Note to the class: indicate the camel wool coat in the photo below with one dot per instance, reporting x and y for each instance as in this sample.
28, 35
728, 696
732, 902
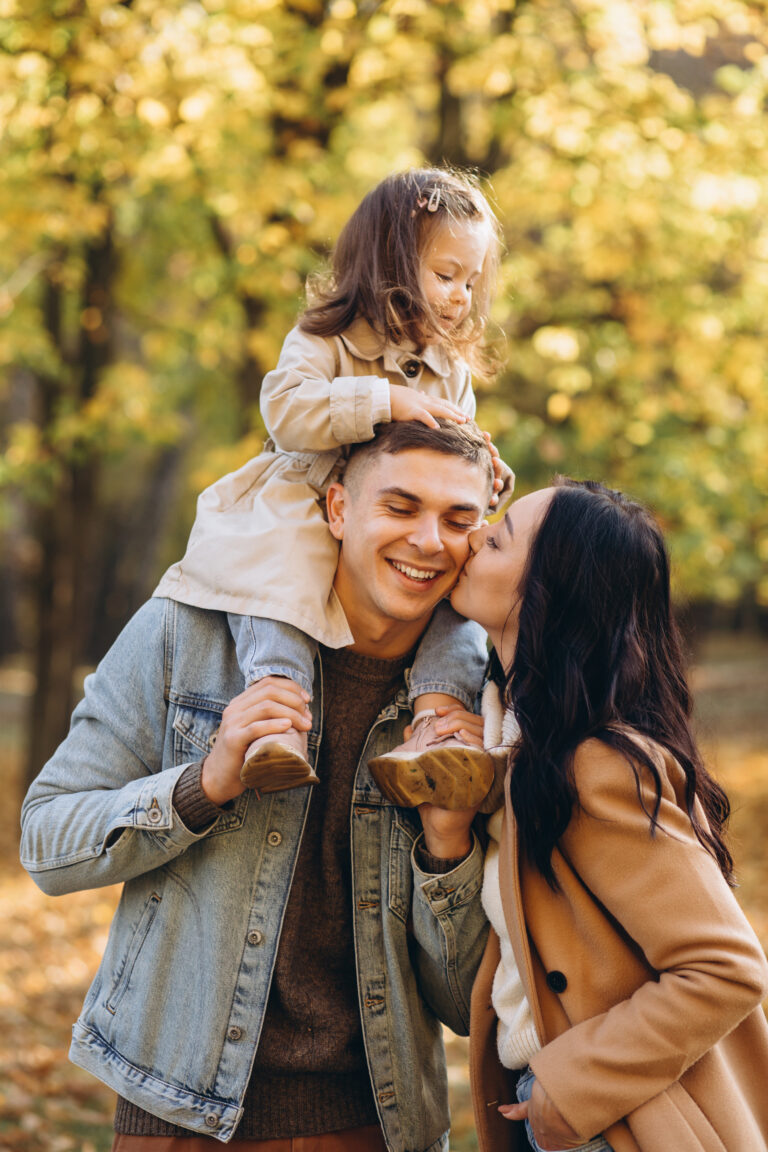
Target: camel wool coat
644, 978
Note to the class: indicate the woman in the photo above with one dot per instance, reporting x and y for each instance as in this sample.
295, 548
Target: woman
620, 990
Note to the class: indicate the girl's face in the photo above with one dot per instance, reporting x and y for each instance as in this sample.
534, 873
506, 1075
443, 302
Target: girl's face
488, 589
451, 264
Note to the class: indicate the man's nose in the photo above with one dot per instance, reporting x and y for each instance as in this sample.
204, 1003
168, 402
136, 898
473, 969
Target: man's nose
426, 536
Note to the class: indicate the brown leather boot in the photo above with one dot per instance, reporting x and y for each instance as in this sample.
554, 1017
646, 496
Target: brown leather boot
432, 769
276, 763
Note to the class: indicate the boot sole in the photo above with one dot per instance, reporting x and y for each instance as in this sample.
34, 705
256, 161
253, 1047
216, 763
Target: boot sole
276, 768
451, 778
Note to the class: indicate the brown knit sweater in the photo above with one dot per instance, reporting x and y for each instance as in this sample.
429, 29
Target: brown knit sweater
310, 1074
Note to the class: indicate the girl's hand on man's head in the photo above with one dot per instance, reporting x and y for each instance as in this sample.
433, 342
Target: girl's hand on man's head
498, 482
409, 404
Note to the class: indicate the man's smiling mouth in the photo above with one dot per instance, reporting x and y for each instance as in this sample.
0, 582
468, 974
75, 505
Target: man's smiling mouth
421, 574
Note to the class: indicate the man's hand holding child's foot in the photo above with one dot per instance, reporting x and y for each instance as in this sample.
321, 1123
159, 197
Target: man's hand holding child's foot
271, 710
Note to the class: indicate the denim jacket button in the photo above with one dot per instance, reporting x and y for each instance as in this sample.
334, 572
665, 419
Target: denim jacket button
211, 1120
255, 937
274, 838
154, 814
234, 1033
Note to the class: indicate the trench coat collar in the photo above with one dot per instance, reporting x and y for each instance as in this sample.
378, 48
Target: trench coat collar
366, 343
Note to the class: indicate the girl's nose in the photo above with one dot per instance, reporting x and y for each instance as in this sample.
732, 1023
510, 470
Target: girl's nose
476, 537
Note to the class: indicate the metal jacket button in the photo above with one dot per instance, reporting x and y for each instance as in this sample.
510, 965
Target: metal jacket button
234, 1033
274, 838
255, 937
557, 981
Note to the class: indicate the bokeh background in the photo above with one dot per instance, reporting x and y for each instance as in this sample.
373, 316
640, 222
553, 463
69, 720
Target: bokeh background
170, 173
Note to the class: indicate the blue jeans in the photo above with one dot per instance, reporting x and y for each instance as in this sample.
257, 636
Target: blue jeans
451, 657
524, 1090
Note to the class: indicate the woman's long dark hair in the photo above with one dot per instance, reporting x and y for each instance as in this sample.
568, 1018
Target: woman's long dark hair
376, 263
598, 651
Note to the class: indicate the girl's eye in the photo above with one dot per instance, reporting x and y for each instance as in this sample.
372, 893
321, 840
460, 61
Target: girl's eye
491, 542
445, 279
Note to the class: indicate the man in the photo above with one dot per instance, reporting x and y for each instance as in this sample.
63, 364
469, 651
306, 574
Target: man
277, 969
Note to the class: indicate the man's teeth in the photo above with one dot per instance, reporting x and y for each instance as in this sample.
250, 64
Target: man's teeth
414, 573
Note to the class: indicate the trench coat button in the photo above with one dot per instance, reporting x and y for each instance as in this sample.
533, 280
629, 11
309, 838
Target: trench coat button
411, 368
557, 981
255, 937
234, 1033
274, 838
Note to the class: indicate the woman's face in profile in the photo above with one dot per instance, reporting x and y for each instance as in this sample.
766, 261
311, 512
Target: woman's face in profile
487, 590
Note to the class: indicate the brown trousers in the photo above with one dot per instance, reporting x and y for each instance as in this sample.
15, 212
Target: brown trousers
368, 1139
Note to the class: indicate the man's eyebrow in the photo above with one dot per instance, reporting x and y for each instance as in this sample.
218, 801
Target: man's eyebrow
414, 499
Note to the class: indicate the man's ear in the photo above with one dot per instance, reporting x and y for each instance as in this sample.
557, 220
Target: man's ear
336, 505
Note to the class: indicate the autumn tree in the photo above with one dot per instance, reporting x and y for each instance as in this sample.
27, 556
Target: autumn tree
171, 172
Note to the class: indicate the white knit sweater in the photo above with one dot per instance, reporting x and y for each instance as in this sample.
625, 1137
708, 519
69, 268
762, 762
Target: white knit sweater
516, 1037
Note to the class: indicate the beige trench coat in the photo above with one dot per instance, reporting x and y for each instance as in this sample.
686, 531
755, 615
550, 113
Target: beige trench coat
260, 545
643, 974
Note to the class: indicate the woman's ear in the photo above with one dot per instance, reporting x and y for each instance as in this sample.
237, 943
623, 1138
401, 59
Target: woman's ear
336, 503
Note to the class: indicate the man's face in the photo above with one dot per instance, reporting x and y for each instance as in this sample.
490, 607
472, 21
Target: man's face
404, 527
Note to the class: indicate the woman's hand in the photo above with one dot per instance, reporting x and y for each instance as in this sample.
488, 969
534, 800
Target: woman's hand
551, 1130
409, 404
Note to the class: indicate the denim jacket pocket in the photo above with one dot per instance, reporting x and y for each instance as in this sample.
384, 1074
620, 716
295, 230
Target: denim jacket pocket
400, 875
194, 733
123, 975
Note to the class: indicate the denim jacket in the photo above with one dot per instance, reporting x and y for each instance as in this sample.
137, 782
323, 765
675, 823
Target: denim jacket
173, 1017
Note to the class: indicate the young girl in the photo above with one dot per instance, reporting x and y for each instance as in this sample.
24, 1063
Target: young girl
392, 336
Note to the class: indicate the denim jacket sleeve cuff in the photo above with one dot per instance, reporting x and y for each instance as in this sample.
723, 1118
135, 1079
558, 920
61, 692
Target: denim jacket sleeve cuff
448, 890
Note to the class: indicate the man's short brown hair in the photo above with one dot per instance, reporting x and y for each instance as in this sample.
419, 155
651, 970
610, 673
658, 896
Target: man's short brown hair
449, 439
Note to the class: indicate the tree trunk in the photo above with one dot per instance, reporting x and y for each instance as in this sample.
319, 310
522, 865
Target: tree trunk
64, 527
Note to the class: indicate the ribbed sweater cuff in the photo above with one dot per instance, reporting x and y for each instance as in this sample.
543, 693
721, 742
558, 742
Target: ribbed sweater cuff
437, 865
190, 802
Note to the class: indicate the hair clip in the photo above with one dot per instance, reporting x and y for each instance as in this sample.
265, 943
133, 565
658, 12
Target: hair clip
434, 201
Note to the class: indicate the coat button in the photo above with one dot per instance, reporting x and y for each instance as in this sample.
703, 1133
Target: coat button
557, 981
411, 368
274, 838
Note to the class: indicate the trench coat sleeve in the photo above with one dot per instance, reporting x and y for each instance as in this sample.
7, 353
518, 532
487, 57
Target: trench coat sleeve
101, 810
668, 895
308, 407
